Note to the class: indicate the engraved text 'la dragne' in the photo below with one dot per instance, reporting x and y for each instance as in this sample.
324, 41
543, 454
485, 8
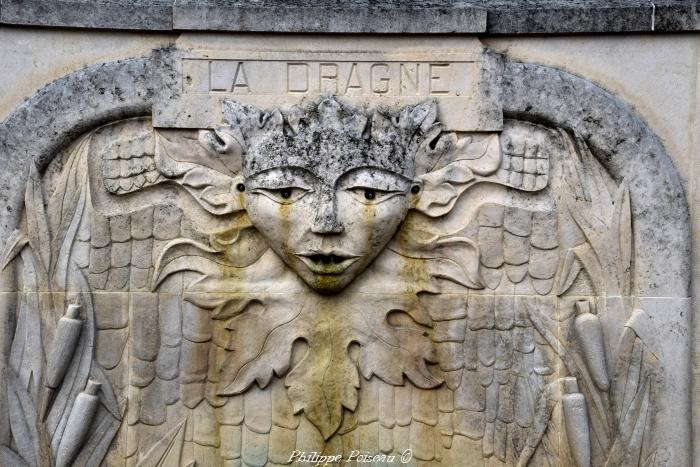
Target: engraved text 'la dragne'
391, 78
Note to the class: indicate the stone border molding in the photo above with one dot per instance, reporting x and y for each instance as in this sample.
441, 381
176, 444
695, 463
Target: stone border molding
627, 148
364, 16
69, 107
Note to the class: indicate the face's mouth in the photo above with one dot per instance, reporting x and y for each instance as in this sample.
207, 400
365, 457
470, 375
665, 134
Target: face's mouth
327, 262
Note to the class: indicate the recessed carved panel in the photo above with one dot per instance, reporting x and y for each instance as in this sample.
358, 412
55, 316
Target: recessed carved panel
328, 278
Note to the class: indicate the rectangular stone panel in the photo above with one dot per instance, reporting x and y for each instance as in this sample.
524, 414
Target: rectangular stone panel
268, 79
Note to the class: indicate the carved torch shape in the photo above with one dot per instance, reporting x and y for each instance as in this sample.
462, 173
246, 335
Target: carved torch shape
79, 421
590, 335
576, 422
63, 346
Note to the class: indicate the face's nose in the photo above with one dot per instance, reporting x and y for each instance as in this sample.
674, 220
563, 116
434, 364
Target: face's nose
326, 219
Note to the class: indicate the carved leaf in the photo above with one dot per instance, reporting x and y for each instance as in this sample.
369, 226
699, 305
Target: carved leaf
266, 329
179, 151
455, 259
167, 451
627, 447
184, 254
26, 357
604, 219
206, 169
442, 188
631, 395
10, 458
568, 272
622, 230
215, 192
324, 382
431, 151
14, 245
37, 222
391, 362
23, 419
64, 241
65, 209
484, 156
237, 248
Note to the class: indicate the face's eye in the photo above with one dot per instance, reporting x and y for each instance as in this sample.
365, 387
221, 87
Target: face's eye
370, 195
284, 195
369, 185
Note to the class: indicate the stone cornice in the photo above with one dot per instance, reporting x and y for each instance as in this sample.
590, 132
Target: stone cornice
360, 16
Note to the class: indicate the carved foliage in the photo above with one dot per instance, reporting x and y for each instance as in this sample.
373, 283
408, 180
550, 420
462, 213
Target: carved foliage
52, 415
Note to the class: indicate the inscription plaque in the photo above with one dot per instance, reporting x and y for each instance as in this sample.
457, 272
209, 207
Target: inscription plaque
284, 79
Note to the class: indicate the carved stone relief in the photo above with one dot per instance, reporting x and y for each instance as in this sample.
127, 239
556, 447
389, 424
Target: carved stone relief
334, 277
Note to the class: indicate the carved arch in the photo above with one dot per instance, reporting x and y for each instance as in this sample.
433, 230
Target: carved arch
627, 148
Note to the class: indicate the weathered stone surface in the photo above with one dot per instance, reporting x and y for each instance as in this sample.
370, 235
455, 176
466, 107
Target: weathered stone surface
677, 16
454, 72
330, 16
99, 94
516, 17
332, 276
361, 16
148, 15
635, 159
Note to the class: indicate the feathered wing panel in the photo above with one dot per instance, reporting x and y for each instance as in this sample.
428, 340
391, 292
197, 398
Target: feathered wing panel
527, 375
159, 350
91, 246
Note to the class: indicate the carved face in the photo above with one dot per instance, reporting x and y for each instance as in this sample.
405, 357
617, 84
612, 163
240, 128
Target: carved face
328, 187
330, 219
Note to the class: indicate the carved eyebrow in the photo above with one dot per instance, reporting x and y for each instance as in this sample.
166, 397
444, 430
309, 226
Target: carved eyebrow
373, 172
279, 174
290, 169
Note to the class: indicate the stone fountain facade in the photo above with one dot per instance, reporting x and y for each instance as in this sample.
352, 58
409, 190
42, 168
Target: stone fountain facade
400, 234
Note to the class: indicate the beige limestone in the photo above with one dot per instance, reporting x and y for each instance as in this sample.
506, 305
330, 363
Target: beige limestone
33, 57
397, 296
657, 75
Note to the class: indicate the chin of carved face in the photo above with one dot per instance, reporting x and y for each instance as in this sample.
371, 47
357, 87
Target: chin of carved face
327, 234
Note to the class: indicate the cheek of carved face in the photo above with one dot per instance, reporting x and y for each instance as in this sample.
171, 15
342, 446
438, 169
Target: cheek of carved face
328, 234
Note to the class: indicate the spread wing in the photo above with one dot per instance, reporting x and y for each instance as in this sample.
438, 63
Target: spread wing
159, 350
524, 358
93, 231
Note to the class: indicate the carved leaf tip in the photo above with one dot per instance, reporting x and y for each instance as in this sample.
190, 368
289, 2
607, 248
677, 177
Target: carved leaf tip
167, 450
23, 417
13, 247
183, 254
10, 458
37, 220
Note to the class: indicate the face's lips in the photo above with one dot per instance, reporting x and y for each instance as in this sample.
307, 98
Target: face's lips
327, 262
